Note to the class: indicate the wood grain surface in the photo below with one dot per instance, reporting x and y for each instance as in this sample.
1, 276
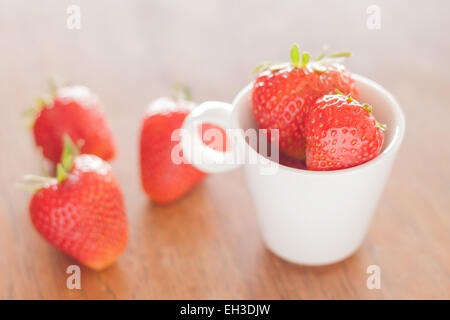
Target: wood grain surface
207, 245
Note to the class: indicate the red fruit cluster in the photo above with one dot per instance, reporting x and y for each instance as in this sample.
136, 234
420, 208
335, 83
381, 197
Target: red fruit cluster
81, 210
284, 96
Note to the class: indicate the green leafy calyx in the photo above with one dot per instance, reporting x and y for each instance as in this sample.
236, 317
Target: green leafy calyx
29, 116
381, 126
182, 92
305, 59
301, 60
32, 183
367, 107
295, 55
340, 55
70, 152
349, 96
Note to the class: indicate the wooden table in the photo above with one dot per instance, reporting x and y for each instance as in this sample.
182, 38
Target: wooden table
207, 245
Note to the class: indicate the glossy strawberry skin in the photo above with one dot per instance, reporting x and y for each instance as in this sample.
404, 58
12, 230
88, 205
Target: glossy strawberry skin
77, 112
163, 180
83, 216
340, 133
281, 99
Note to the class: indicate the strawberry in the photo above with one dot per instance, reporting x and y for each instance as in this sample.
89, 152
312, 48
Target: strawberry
163, 179
74, 111
283, 94
341, 133
81, 211
291, 162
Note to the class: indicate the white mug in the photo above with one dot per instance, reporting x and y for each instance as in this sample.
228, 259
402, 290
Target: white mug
306, 217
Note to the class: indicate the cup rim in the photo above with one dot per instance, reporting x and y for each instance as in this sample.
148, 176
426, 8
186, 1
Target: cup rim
392, 147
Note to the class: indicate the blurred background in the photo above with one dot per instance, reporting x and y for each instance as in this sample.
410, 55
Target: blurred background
130, 52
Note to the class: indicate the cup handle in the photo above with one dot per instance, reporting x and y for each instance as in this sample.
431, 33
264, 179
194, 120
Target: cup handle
195, 151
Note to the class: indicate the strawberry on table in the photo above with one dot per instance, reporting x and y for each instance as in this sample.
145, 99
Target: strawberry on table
163, 179
81, 212
284, 93
341, 133
77, 112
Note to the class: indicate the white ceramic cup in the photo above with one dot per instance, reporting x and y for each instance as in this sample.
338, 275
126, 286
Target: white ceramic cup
306, 217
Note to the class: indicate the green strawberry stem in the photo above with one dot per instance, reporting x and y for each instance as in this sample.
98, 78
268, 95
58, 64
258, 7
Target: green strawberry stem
381, 126
182, 92
261, 67
349, 96
29, 116
333, 55
340, 55
187, 93
305, 59
32, 183
367, 107
295, 55
56, 82
273, 66
70, 152
61, 173
53, 87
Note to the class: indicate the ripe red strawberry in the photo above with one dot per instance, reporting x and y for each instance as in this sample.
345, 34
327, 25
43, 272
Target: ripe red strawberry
284, 93
164, 180
341, 133
81, 212
77, 112
291, 162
